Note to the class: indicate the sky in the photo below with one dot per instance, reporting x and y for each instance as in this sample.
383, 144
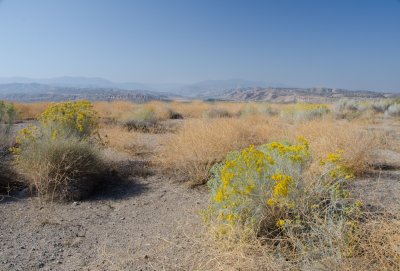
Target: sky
352, 44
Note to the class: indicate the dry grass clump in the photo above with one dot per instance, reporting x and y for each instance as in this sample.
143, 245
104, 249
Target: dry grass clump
356, 142
30, 111
114, 111
200, 143
192, 109
120, 139
63, 169
60, 158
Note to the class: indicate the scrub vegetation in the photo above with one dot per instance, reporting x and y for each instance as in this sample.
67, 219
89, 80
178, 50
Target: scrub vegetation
279, 183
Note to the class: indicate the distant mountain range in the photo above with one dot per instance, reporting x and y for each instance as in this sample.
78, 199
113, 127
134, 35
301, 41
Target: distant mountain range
73, 88
177, 88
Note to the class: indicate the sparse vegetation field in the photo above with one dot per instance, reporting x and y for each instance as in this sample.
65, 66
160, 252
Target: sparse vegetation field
200, 186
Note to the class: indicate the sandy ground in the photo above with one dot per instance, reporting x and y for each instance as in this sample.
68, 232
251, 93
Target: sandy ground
142, 223
145, 221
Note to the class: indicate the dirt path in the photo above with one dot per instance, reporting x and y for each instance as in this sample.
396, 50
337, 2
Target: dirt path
381, 187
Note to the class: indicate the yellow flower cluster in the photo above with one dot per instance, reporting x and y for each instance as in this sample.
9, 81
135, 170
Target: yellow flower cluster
337, 165
68, 118
281, 189
249, 158
74, 116
256, 178
297, 152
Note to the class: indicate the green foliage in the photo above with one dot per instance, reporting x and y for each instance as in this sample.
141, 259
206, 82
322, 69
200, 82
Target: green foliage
7, 117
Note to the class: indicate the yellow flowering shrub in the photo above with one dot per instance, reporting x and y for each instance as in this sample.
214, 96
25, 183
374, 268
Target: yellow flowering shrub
257, 179
60, 120
265, 191
78, 118
58, 157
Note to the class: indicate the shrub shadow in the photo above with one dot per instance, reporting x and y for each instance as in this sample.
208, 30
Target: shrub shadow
121, 181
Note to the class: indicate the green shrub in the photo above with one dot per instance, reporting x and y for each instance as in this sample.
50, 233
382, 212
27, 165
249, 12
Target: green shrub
268, 193
7, 116
143, 119
304, 112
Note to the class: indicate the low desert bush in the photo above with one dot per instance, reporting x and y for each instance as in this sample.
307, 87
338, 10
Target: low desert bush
59, 157
266, 194
7, 117
143, 119
393, 110
381, 106
67, 168
347, 109
304, 112
217, 113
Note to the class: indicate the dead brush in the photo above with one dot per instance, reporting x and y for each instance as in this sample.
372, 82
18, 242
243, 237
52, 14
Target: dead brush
200, 143
114, 111
192, 109
30, 111
62, 169
327, 136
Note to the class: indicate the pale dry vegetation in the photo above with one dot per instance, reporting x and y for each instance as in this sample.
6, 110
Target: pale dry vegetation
200, 143
30, 111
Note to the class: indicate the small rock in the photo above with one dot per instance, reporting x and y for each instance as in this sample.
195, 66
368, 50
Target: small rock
75, 203
41, 265
146, 256
122, 218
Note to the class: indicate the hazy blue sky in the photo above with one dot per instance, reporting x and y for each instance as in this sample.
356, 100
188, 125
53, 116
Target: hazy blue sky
342, 43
